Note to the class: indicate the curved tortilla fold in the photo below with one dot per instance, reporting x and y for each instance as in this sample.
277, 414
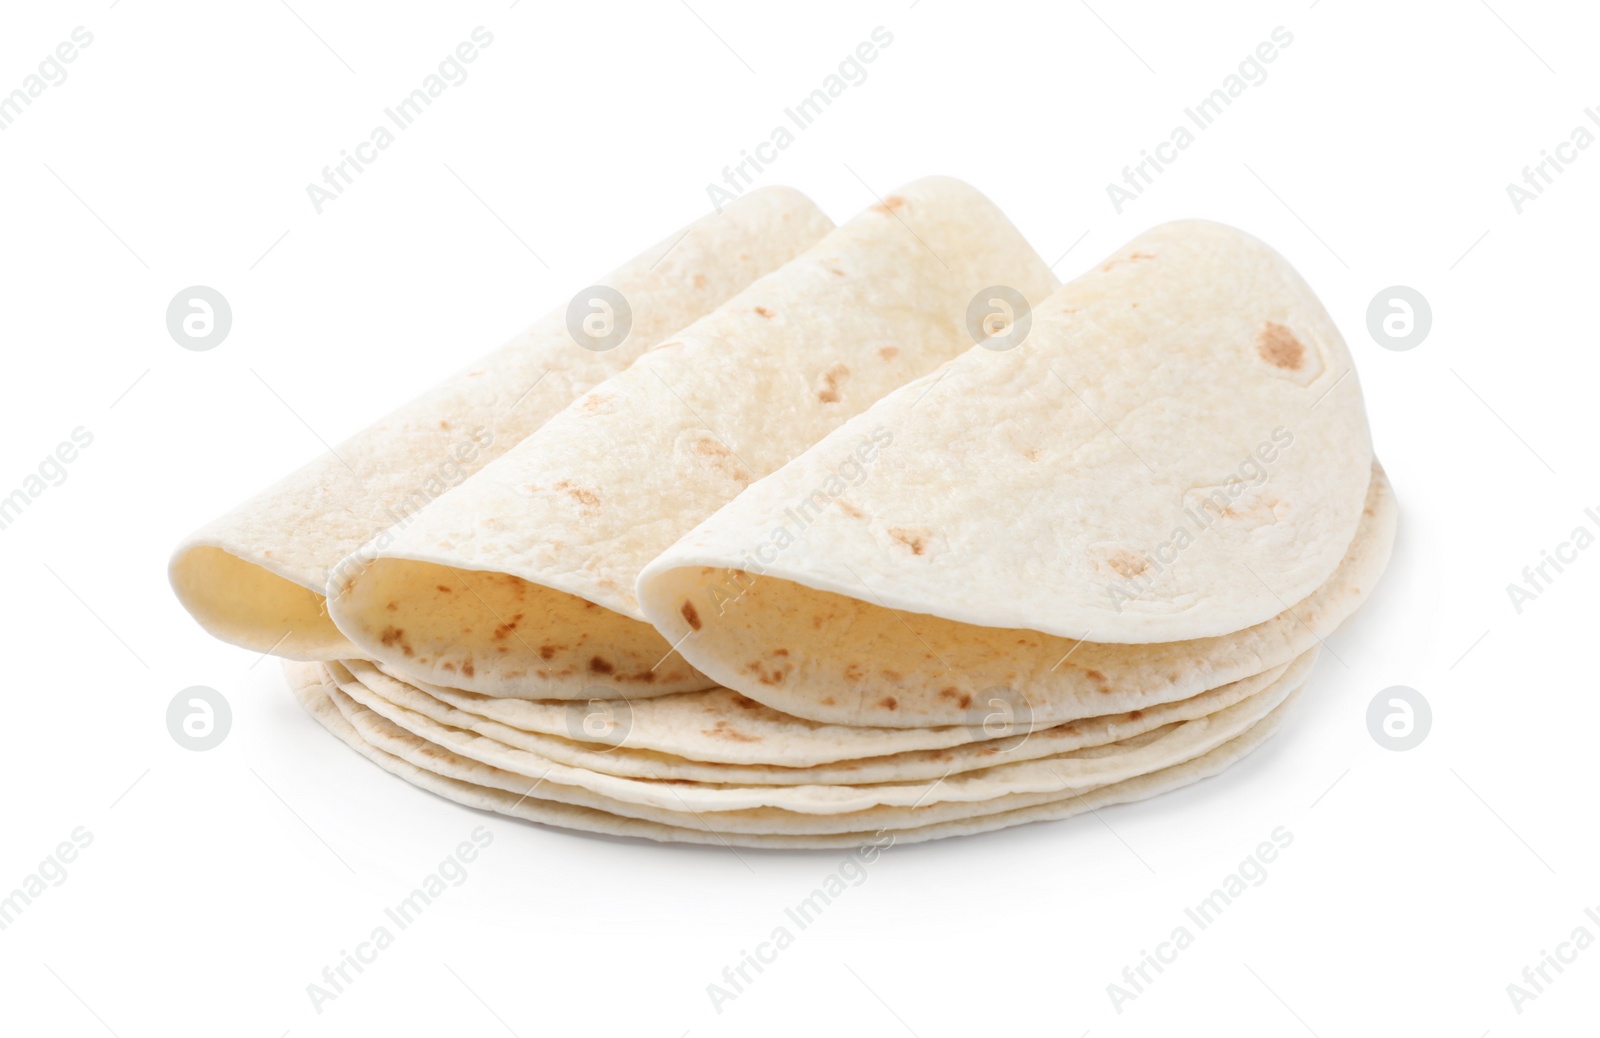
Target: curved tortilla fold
520, 582
514, 795
1176, 455
866, 665
702, 727
256, 575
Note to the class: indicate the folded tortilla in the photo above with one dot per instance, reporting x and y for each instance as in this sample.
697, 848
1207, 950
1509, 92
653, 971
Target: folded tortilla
1169, 485
520, 581
256, 575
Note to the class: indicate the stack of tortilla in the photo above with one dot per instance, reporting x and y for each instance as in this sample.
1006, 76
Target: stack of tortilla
863, 534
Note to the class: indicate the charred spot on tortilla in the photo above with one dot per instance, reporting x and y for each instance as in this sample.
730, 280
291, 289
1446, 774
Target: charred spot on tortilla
600, 666
830, 380
583, 495
1132, 257
764, 312
1277, 346
914, 538
889, 703
691, 616
1127, 564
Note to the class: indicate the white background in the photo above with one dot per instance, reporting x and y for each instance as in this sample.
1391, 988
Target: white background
219, 884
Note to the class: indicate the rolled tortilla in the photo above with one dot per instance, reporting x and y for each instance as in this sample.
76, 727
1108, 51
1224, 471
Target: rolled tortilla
520, 581
256, 575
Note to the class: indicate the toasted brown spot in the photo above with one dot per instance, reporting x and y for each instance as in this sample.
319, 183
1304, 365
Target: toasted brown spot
1132, 257
444, 425
1033, 454
836, 271
1127, 564
889, 352
1136, 714
691, 616
889, 205
916, 540
392, 606
451, 667
780, 652
722, 731
826, 701
600, 666
444, 590
853, 672
849, 509
595, 401
390, 635
745, 702
962, 699
763, 311
547, 652
699, 281
1278, 347
468, 669
829, 381
583, 495
889, 703
501, 630
890, 675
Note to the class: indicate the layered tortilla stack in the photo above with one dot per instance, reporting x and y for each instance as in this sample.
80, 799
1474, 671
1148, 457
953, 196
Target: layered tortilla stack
902, 540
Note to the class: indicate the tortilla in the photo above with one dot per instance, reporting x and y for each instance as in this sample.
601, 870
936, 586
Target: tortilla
315, 690
701, 727
519, 582
1174, 457
255, 576
1078, 769
865, 665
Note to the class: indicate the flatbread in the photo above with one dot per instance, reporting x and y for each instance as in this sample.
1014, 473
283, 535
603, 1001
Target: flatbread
255, 576
841, 661
520, 581
1177, 453
700, 727
422, 741
314, 690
